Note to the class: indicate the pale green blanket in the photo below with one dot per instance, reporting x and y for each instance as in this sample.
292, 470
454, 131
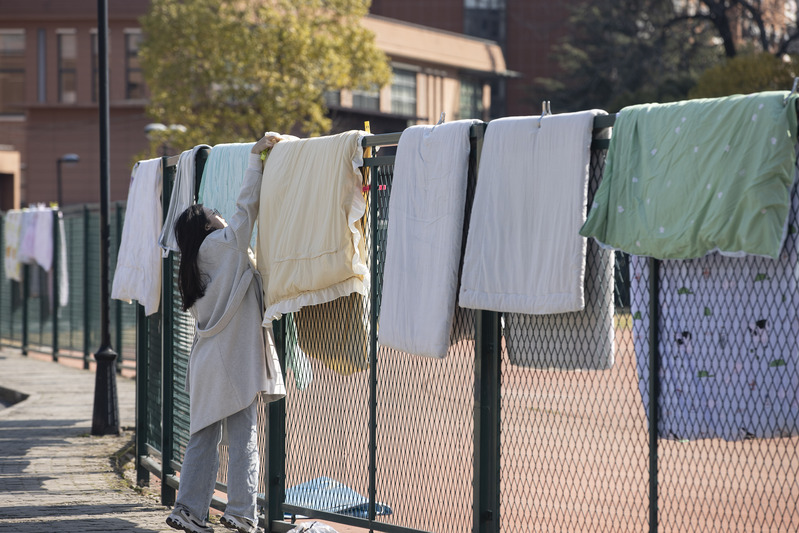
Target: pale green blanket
685, 179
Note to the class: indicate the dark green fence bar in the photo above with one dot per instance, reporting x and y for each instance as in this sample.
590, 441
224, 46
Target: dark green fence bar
56, 289
26, 294
654, 389
86, 292
167, 362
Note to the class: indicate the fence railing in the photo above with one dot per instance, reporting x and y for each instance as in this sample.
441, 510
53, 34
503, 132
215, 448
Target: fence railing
32, 320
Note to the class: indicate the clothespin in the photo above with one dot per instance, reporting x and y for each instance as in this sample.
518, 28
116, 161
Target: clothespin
793, 90
545, 110
367, 152
441, 118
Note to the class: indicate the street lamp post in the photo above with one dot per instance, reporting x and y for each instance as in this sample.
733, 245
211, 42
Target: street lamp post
105, 416
66, 158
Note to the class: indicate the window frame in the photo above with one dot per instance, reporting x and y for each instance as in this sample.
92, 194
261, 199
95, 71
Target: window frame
65, 72
133, 90
13, 72
401, 101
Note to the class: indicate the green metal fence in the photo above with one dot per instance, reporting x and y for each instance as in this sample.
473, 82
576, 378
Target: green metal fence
479, 441
489, 439
30, 321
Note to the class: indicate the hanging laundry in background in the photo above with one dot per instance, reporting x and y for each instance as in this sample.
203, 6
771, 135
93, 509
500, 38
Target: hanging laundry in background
424, 241
138, 271
63, 268
689, 178
729, 343
581, 340
182, 197
43, 237
523, 251
34, 226
27, 237
12, 234
311, 238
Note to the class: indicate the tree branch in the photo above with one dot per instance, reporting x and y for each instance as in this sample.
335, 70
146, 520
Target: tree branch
757, 16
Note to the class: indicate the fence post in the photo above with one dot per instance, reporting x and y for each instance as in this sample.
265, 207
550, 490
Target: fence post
86, 319
56, 281
26, 292
142, 412
118, 303
654, 389
373, 199
487, 345
486, 421
167, 354
275, 475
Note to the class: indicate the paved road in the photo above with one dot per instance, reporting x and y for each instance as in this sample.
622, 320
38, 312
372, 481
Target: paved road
54, 476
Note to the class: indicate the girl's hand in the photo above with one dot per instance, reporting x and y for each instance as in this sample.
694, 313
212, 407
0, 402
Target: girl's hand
266, 142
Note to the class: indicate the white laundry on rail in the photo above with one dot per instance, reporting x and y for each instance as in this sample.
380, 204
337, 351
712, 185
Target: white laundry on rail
138, 271
523, 252
311, 239
425, 238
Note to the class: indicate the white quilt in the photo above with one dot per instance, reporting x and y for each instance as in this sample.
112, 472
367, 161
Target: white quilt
311, 240
424, 240
524, 253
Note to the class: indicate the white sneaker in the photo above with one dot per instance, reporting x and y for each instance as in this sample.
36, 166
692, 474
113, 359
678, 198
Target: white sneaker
181, 518
239, 524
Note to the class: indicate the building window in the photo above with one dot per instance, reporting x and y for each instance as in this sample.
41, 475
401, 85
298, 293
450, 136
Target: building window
134, 79
471, 99
67, 66
403, 93
366, 100
12, 71
485, 19
332, 99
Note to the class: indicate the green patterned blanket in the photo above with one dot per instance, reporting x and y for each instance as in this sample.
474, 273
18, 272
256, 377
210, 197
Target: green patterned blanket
685, 179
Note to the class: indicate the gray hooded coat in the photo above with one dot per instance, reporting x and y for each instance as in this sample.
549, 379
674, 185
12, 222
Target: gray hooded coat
233, 358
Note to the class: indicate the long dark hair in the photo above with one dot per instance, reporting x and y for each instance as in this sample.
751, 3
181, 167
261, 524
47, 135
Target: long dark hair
190, 232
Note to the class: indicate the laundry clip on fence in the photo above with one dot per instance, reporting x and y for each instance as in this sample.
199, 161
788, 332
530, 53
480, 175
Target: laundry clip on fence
545, 110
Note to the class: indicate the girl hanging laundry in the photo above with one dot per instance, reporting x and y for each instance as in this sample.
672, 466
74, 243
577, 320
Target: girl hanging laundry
233, 359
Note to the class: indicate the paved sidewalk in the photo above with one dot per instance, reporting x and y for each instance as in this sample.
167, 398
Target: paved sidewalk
55, 476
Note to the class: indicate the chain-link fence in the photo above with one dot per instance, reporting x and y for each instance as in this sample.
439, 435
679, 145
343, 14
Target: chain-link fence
32, 320
531, 423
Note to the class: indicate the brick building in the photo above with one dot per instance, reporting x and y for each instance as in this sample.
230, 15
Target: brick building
48, 100
526, 30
